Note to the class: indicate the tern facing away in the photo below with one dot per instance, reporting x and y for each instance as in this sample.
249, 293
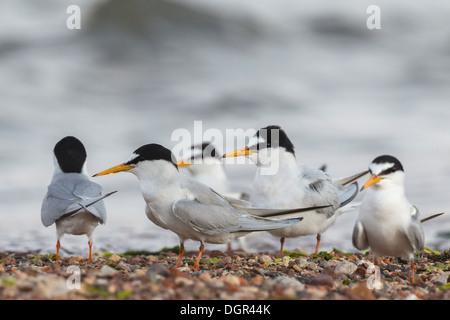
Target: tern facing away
387, 222
73, 202
191, 209
280, 182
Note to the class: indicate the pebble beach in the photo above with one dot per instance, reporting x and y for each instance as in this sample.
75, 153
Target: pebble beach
232, 276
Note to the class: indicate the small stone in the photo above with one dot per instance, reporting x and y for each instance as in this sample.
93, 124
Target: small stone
361, 271
442, 279
106, 270
257, 280
217, 253
361, 292
317, 291
297, 268
302, 262
123, 266
224, 261
322, 279
304, 251
159, 269
76, 260
115, 258
183, 282
231, 280
289, 282
345, 268
49, 286
312, 265
179, 272
205, 277
265, 258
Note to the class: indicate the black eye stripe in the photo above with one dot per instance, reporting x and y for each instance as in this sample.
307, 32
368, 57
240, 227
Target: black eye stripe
135, 160
387, 171
259, 146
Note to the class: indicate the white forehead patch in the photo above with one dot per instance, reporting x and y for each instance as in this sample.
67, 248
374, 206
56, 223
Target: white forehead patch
255, 140
132, 157
377, 168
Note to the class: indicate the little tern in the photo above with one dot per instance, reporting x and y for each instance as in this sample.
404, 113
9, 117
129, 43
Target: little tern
281, 182
204, 163
189, 208
387, 222
73, 202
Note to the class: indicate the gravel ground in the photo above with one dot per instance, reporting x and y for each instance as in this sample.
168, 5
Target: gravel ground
222, 276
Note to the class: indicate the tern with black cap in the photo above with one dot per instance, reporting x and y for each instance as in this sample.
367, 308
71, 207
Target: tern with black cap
281, 182
204, 163
388, 223
73, 202
189, 208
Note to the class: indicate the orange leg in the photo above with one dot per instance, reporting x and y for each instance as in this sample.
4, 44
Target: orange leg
318, 243
180, 255
413, 269
57, 249
376, 263
90, 251
282, 244
200, 253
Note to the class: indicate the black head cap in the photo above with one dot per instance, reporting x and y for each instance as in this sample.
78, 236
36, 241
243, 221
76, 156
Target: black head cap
71, 154
153, 151
397, 166
274, 137
208, 150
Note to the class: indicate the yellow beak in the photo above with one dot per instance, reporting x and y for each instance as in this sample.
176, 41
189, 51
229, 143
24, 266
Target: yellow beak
240, 152
181, 163
119, 168
372, 180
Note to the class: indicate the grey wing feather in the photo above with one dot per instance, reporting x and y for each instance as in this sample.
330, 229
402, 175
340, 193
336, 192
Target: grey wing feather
215, 219
54, 206
247, 207
203, 218
320, 190
431, 217
347, 193
359, 237
347, 180
89, 192
415, 232
82, 206
68, 193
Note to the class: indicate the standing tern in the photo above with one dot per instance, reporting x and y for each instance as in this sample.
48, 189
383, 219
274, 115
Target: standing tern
73, 202
281, 182
387, 222
205, 164
191, 209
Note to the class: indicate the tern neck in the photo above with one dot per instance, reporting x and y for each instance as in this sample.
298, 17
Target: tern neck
395, 181
215, 170
281, 163
158, 172
58, 171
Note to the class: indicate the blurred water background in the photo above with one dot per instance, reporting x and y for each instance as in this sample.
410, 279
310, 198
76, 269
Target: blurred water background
137, 70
